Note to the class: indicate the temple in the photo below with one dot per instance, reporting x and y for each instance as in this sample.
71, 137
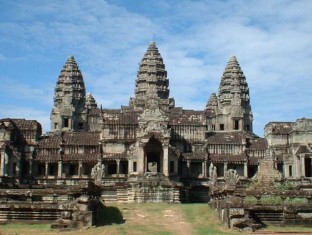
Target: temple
150, 141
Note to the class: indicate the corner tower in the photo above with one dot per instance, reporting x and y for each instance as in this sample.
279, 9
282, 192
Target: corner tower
69, 111
151, 77
234, 110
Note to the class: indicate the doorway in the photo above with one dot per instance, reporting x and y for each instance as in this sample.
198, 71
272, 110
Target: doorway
307, 166
153, 153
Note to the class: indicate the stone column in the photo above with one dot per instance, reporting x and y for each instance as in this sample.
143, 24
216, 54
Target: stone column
165, 161
225, 167
30, 168
2, 160
188, 165
302, 165
130, 166
60, 169
286, 170
245, 169
205, 169
118, 167
46, 169
298, 172
141, 162
80, 168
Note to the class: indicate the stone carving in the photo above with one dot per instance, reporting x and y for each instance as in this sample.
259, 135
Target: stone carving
303, 124
97, 173
231, 177
213, 174
152, 166
153, 119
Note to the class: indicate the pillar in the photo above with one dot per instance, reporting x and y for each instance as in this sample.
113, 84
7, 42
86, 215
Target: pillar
165, 161
225, 167
30, 168
80, 168
46, 169
2, 160
302, 165
130, 166
205, 169
118, 167
286, 170
245, 169
141, 162
298, 171
60, 169
6, 163
188, 164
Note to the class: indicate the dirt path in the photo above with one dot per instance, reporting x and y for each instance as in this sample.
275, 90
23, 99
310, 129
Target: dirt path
166, 218
175, 221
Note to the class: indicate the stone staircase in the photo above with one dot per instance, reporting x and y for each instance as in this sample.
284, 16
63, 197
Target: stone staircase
28, 215
267, 217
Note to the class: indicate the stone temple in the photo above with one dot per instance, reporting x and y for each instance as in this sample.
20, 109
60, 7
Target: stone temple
151, 150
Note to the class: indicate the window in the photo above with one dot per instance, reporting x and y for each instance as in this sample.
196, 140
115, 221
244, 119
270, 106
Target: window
171, 166
247, 127
290, 171
55, 125
66, 122
221, 127
72, 170
134, 166
236, 124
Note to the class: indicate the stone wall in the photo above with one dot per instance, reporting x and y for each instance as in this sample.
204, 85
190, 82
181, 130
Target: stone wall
64, 207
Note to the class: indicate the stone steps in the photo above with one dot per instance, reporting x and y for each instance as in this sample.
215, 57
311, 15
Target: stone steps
268, 217
8, 215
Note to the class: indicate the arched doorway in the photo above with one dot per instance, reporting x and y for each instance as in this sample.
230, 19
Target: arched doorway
153, 156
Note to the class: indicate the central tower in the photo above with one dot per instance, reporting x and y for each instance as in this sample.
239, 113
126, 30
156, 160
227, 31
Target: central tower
151, 77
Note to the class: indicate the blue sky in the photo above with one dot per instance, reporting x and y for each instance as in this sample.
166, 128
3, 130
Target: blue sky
272, 41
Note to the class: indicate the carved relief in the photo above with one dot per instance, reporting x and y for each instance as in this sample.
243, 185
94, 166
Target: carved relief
303, 124
213, 174
153, 119
97, 173
231, 177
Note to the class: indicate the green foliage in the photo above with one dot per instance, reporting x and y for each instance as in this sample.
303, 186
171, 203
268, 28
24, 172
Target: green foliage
284, 186
296, 200
251, 200
271, 200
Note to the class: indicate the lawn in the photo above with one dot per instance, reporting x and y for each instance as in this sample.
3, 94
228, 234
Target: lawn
148, 218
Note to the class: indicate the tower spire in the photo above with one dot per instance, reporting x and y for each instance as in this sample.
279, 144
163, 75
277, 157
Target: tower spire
233, 97
69, 98
151, 77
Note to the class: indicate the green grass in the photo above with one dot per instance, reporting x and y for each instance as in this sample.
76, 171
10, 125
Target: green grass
146, 218
286, 229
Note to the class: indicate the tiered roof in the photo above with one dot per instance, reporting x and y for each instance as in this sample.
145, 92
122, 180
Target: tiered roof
233, 78
152, 73
53, 147
70, 87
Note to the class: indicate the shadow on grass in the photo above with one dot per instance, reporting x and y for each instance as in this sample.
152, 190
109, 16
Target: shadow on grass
109, 215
